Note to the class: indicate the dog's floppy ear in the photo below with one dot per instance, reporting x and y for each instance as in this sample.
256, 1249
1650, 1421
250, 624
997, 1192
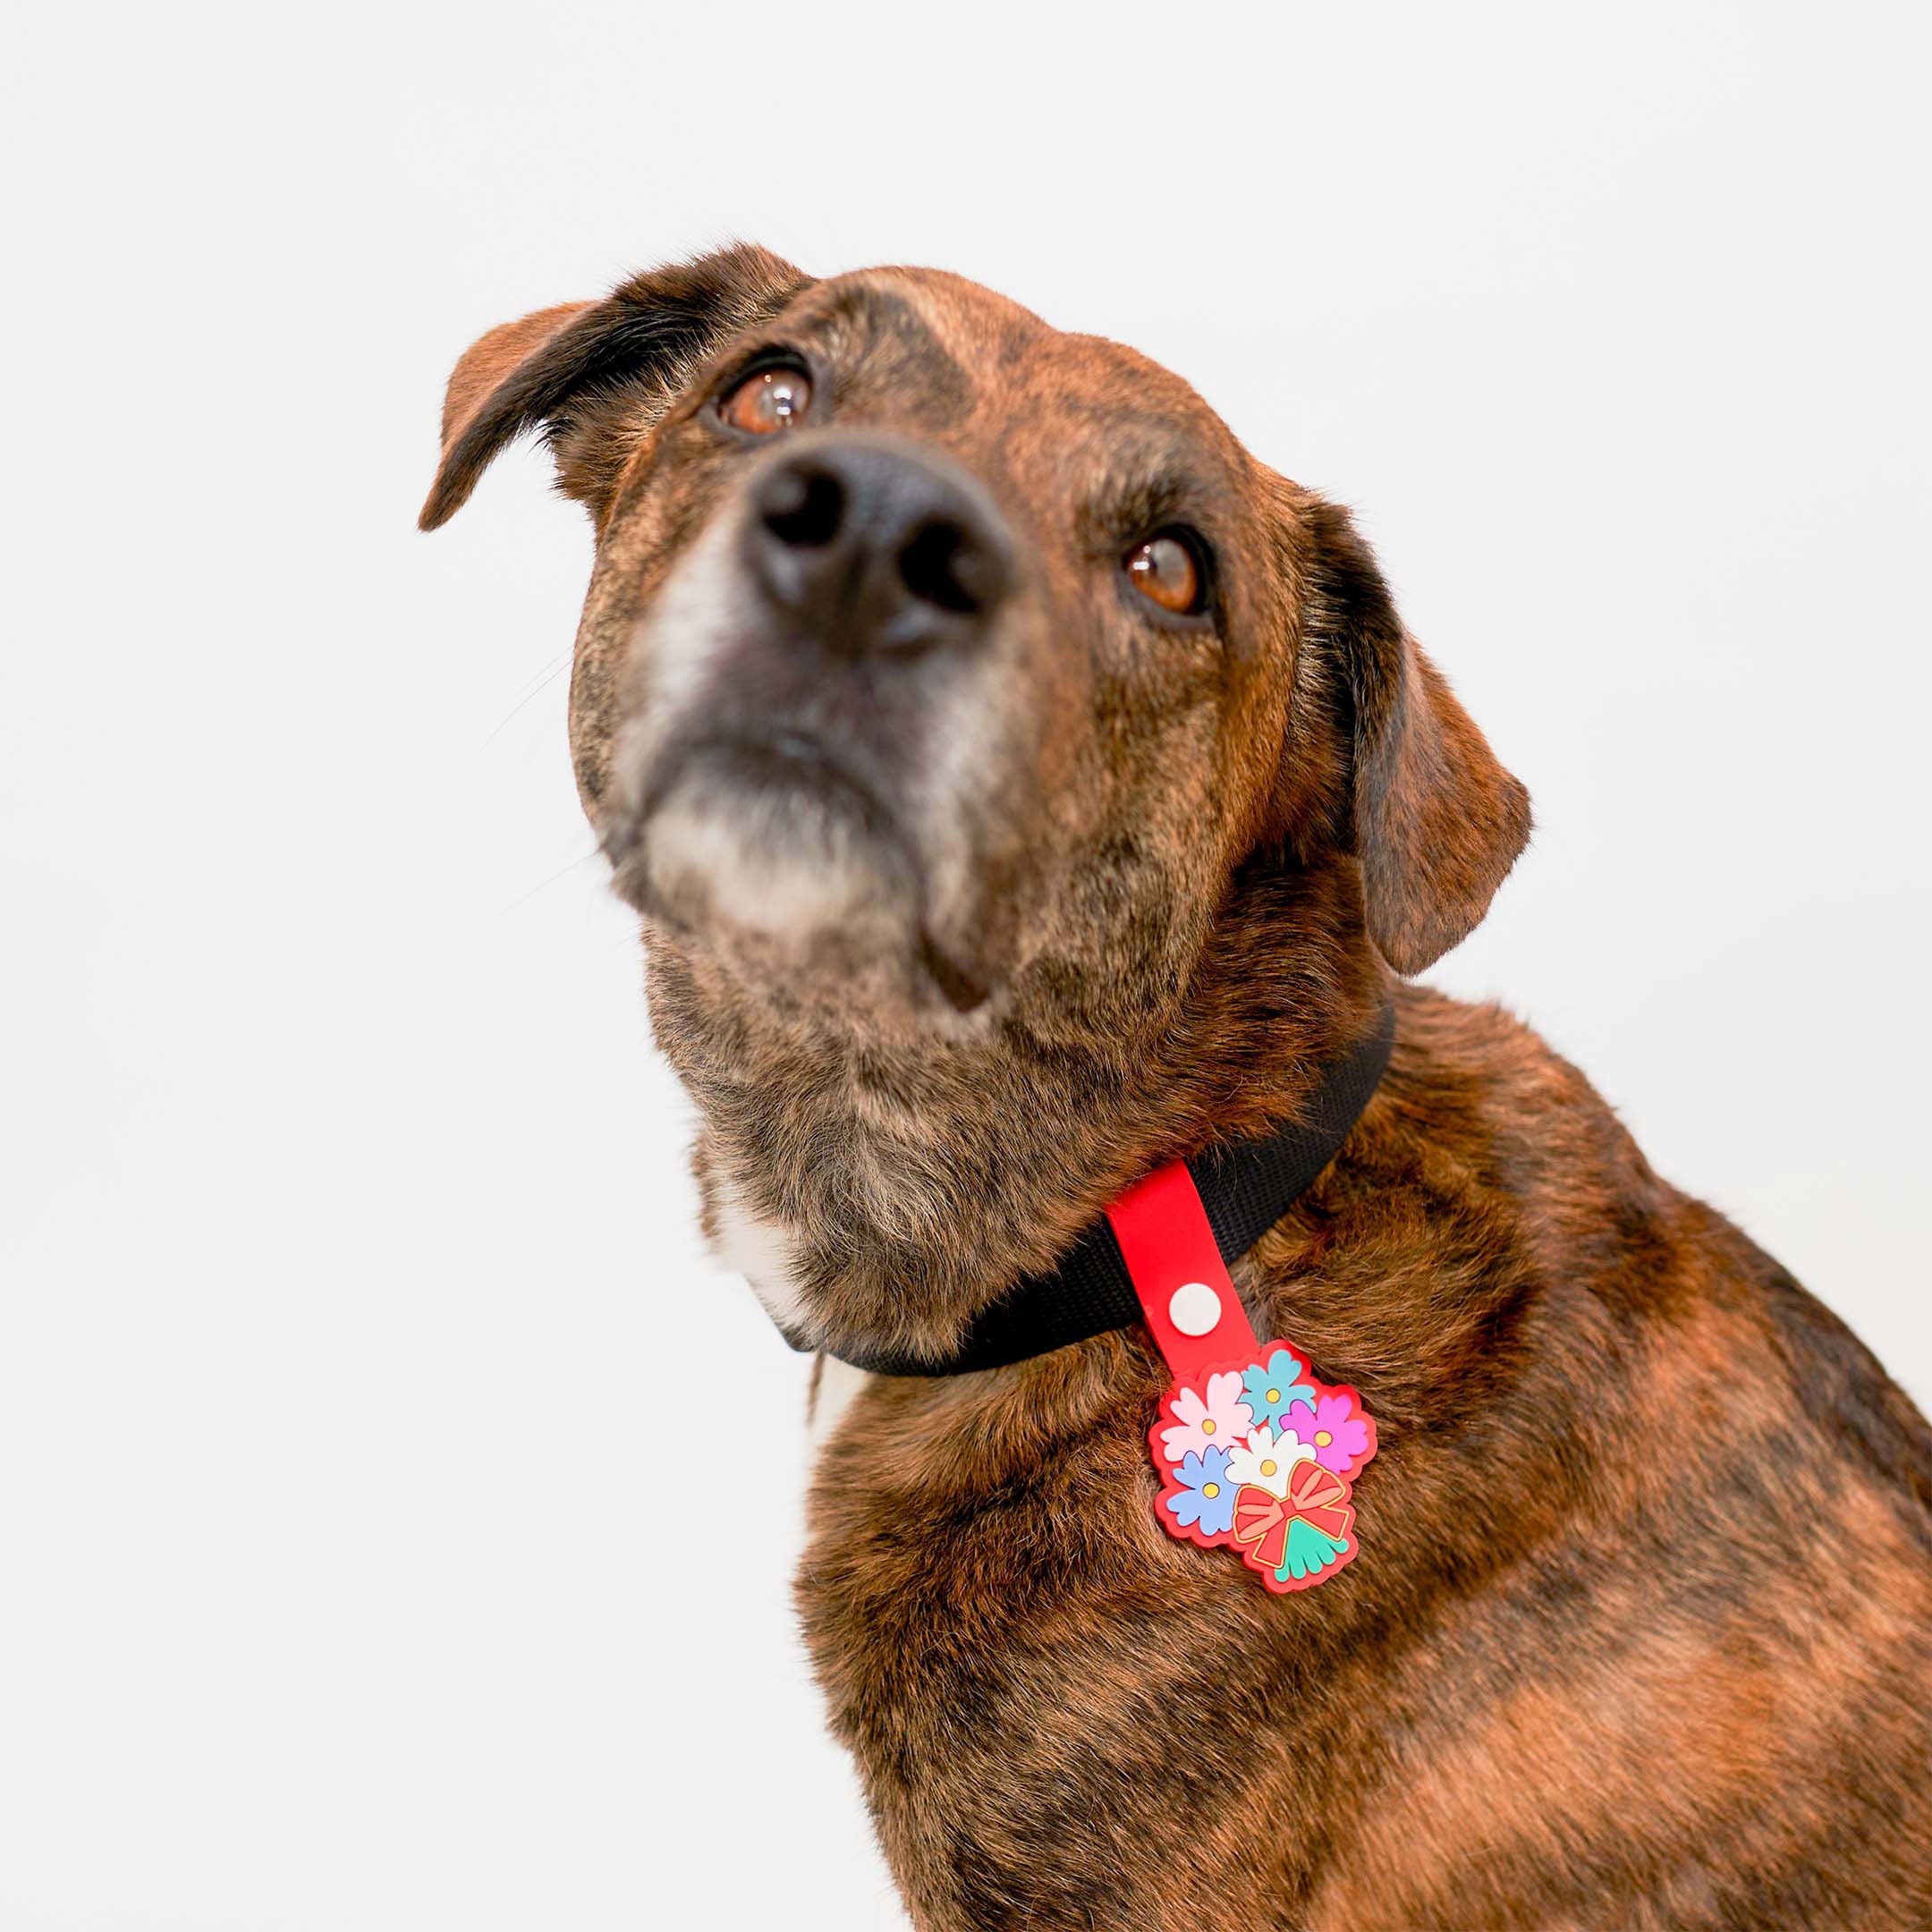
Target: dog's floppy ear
1433, 818
577, 368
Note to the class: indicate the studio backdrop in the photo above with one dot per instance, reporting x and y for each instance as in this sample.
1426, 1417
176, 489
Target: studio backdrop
353, 1308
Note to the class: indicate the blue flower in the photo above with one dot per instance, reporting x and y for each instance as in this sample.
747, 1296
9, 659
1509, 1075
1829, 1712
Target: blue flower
1273, 1387
1207, 1499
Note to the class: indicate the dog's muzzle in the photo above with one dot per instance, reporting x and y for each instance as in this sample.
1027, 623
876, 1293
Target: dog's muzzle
814, 763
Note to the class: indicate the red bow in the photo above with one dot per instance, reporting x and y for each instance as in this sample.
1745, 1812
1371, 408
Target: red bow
1262, 1517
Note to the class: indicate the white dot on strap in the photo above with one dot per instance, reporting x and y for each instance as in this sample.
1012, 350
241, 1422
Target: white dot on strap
1195, 1308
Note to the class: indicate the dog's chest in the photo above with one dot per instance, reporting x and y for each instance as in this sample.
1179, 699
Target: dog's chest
1061, 1715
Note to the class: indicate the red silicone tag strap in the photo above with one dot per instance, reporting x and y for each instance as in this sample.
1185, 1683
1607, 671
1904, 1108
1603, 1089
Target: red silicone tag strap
1178, 1273
1252, 1453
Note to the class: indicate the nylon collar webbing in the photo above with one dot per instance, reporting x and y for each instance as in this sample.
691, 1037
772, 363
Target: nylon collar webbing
1245, 1187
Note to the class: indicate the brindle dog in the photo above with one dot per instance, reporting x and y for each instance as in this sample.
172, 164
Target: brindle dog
1022, 785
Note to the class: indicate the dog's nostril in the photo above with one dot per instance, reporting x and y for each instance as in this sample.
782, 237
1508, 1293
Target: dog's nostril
943, 565
802, 507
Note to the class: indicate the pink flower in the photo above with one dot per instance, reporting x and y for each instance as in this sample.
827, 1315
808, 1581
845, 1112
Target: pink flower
1338, 1432
1220, 1421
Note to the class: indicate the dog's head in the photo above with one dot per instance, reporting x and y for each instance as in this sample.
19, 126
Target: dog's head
954, 691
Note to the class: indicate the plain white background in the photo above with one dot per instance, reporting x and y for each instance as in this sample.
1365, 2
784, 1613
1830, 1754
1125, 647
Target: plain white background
351, 1304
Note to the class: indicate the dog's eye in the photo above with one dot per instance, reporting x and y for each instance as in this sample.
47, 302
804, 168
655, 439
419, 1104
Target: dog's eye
1168, 568
768, 400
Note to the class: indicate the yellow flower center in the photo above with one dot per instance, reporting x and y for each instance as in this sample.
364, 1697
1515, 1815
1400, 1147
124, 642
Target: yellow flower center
1207, 1428
1211, 1489
1267, 1467
1274, 1395
1323, 1439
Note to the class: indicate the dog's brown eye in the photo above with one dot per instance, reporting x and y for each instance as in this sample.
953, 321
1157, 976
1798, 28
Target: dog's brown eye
1166, 568
767, 399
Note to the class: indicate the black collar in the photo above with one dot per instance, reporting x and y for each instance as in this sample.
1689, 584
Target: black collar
1246, 1189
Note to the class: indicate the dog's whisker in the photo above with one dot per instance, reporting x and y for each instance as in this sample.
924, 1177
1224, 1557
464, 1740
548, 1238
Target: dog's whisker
530, 694
576, 865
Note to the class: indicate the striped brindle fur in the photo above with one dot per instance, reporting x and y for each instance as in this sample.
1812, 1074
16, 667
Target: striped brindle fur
973, 885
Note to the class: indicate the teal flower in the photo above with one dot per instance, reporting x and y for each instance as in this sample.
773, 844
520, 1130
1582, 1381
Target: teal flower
1271, 1389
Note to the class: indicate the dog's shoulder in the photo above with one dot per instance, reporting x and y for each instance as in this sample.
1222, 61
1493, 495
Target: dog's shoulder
1496, 1215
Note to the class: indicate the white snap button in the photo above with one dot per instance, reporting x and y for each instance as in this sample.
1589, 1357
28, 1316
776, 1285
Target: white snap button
1195, 1308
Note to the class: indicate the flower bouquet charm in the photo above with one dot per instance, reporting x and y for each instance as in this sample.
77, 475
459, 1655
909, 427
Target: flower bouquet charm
1253, 1453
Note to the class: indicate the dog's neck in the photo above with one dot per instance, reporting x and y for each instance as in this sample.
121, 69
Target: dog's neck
878, 1200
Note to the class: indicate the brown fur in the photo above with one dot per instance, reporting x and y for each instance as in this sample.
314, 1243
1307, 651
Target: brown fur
1639, 1632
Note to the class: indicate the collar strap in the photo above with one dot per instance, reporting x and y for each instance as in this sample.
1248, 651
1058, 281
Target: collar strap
1243, 1190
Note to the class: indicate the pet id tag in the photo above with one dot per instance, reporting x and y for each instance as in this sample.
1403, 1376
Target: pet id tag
1253, 1453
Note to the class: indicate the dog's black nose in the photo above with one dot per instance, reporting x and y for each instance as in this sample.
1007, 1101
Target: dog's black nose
876, 547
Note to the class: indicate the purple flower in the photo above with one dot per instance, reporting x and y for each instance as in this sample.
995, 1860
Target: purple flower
1335, 1429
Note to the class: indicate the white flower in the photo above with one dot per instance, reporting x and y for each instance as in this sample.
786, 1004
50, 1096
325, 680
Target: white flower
1265, 1460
